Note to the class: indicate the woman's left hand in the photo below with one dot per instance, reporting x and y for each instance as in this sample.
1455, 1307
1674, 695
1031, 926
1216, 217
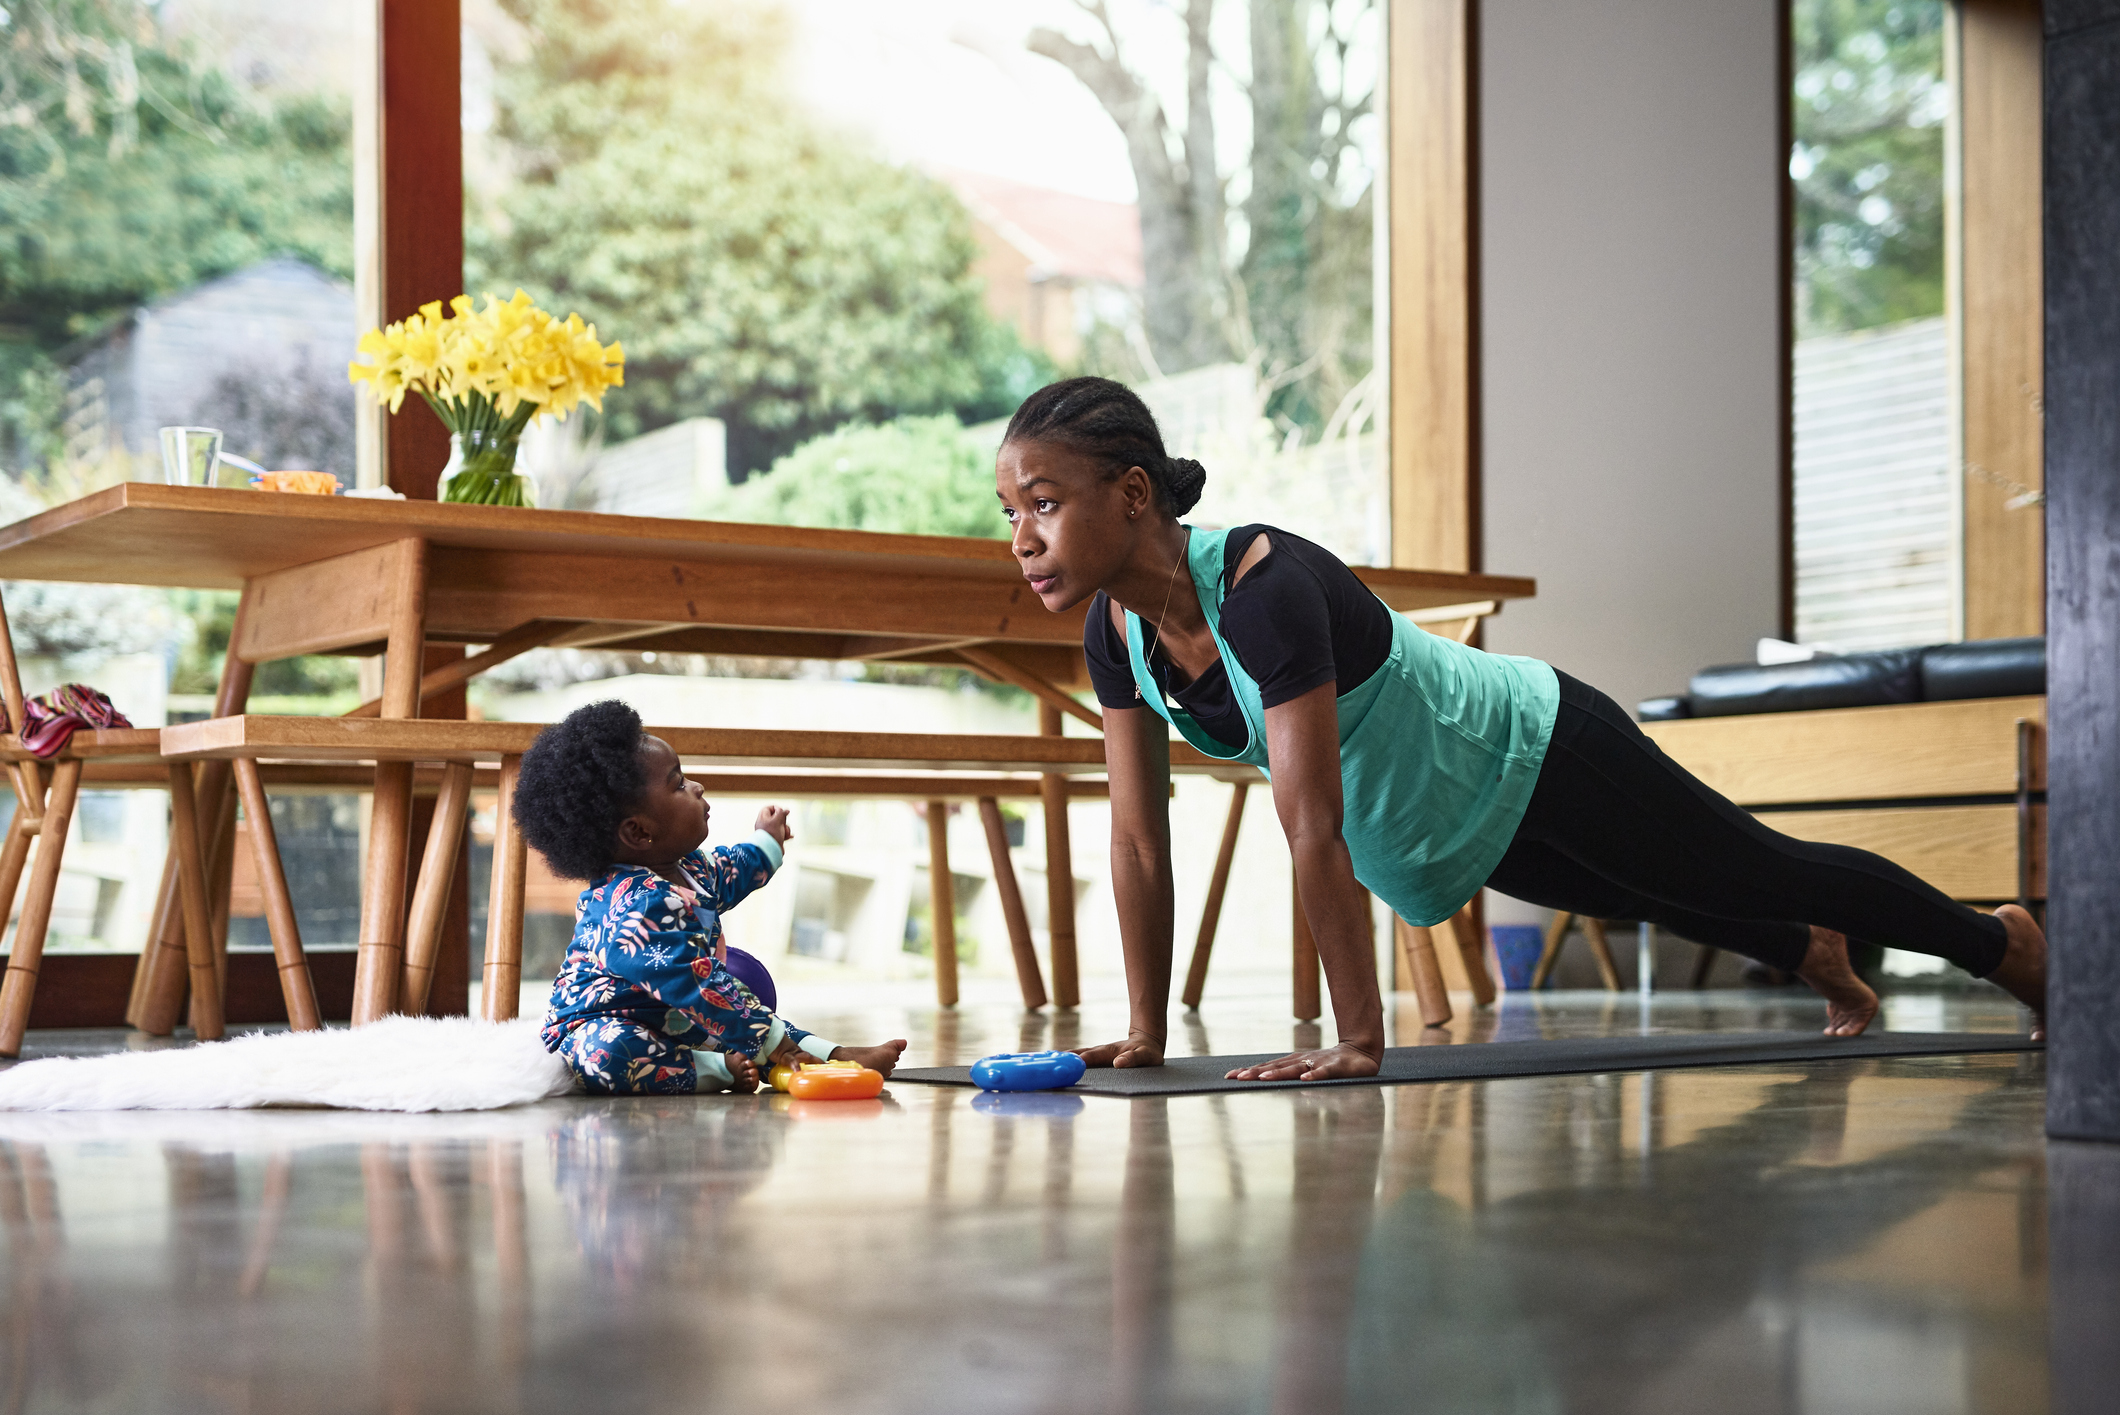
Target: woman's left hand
1329, 1063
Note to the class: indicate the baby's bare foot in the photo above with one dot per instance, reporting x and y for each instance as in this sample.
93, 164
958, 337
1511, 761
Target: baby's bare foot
882, 1058
2022, 972
1850, 1004
743, 1073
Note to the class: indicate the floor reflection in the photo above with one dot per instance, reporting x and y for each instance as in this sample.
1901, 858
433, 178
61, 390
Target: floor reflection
1872, 1235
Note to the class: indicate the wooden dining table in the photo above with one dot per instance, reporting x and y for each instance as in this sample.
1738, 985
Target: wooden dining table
362, 576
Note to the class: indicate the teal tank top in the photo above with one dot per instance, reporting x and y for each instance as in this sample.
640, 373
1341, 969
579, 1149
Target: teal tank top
1439, 751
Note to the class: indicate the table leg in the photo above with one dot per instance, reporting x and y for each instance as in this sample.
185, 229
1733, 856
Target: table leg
1059, 875
1028, 978
430, 897
19, 989
942, 903
297, 988
501, 987
381, 955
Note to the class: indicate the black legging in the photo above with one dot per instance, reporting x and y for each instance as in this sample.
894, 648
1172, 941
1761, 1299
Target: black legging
1617, 830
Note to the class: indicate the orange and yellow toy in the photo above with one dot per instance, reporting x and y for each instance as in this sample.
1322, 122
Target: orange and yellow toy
827, 1081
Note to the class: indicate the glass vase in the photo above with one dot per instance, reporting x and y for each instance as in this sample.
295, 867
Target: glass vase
481, 469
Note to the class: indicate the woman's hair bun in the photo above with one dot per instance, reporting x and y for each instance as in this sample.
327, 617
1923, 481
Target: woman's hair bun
1183, 480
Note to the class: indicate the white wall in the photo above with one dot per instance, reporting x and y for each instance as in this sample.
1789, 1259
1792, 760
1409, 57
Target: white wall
1629, 163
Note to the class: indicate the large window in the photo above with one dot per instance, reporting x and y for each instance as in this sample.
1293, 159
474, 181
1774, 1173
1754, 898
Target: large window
176, 247
841, 237
1877, 516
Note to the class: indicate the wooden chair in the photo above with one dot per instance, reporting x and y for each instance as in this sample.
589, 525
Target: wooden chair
44, 810
1593, 934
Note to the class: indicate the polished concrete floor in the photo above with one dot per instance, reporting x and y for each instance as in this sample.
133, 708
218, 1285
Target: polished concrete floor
1842, 1236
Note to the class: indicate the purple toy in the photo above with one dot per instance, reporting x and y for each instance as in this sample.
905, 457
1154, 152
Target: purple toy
753, 975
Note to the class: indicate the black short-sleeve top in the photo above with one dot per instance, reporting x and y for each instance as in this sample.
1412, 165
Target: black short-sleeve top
1297, 620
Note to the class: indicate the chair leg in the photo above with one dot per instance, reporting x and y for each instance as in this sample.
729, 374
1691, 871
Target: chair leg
1416, 953
1703, 963
942, 903
501, 982
1217, 888
1028, 978
19, 989
1607, 966
1059, 876
206, 1018
158, 922
430, 896
1465, 931
14, 855
218, 857
297, 988
1556, 935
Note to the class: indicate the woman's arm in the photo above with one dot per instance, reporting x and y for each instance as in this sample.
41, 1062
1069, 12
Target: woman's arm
1137, 757
1303, 746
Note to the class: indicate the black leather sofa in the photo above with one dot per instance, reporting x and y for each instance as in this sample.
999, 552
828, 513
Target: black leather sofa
1985, 668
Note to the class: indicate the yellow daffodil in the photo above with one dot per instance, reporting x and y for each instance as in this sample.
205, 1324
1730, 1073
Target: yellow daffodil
488, 371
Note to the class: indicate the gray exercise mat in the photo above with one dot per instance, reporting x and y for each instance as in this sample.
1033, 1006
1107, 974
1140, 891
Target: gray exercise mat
1558, 1056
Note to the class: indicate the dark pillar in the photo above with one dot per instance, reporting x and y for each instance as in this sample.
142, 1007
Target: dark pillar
2082, 221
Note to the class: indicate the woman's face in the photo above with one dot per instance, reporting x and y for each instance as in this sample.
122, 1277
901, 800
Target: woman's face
1069, 524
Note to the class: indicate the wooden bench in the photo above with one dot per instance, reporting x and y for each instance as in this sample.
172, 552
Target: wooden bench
1953, 791
396, 978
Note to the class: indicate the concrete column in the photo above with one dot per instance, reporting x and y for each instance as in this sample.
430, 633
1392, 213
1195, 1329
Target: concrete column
2083, 564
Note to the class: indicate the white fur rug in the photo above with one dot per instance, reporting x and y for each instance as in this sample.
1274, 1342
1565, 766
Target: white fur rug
400, 1063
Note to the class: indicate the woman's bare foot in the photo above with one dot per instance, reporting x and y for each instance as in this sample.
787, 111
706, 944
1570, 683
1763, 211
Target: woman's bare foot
1138, 1049
1326, 1064
2022, 972
1850, 1004
882, 1058
743, 1072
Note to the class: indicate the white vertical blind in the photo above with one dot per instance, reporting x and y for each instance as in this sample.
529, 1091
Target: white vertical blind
1876, 521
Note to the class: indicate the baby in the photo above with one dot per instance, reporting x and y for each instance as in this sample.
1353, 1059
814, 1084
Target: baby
645, 1003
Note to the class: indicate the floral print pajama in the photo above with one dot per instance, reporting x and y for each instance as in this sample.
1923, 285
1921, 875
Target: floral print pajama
642, 987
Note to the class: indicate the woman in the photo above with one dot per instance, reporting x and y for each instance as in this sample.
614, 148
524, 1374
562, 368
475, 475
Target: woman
1404, 762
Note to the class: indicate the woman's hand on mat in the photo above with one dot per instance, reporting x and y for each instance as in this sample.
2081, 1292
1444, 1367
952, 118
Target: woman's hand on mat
1139, 1049
773, 820
1327, 1064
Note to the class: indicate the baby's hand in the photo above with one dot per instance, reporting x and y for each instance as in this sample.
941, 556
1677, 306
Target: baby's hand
743, 1073
773, 820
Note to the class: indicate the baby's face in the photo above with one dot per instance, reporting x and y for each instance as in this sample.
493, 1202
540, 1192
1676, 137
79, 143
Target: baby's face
673, 813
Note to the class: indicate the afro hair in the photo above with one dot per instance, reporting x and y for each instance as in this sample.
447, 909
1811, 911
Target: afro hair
580, 778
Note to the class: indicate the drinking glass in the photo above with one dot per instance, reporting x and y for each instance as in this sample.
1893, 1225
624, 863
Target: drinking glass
190, 455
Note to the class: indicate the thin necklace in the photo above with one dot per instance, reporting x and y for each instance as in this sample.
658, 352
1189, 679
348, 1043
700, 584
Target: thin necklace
1148, 654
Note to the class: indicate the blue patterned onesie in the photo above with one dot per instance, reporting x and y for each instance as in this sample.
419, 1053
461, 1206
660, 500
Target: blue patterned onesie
642, 989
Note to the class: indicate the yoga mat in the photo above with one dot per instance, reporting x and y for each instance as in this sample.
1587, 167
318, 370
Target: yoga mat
1558, 1056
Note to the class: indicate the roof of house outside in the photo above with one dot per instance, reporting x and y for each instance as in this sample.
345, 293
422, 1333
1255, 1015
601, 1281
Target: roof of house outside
1063, 235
